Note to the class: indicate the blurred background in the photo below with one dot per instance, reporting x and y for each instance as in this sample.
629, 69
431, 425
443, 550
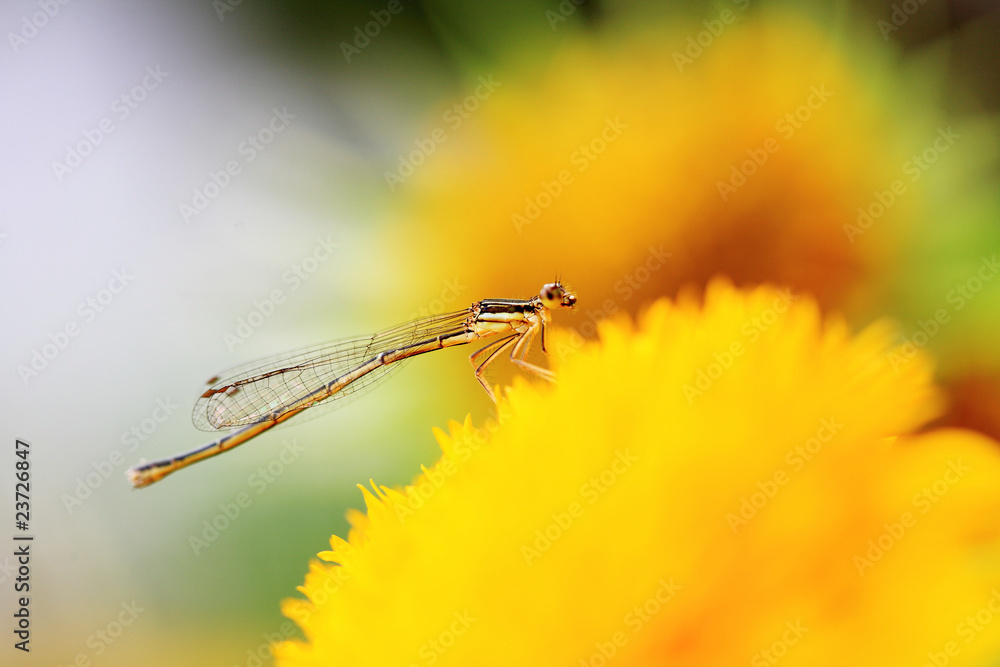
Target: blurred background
188, 186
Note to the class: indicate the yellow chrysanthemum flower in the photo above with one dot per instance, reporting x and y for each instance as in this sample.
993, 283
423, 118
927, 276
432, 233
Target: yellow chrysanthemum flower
726, 483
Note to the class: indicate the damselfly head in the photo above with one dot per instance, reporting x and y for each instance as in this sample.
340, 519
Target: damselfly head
554, 295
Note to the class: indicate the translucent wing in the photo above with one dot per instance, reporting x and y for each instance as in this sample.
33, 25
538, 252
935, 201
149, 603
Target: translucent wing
263, 389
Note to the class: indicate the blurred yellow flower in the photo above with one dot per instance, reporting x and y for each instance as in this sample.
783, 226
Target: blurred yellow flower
757, 142
634, 168
726, 483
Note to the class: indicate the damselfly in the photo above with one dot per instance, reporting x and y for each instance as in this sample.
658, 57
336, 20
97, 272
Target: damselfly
256, 397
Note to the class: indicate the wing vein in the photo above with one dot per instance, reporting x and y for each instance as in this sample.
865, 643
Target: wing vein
263, 389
